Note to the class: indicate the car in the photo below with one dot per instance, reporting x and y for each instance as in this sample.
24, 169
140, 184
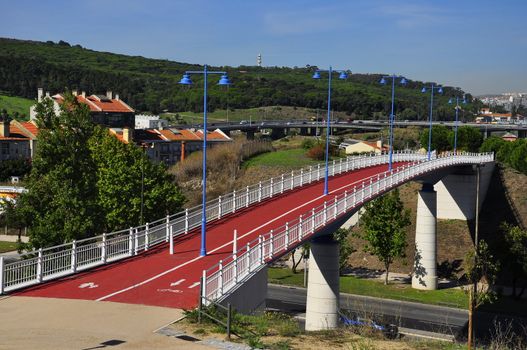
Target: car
390, 331
244, 122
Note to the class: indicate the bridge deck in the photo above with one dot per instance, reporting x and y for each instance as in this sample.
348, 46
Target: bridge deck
160, 279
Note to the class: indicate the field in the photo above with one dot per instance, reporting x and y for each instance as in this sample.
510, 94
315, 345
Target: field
16, 105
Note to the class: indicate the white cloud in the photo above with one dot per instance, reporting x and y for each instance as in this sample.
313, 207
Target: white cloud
411, 16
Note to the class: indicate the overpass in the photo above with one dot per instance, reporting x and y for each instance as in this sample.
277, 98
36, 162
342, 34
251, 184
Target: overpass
310, 127
159, 263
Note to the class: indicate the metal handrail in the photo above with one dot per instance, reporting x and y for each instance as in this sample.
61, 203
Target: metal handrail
223, 277
53, 262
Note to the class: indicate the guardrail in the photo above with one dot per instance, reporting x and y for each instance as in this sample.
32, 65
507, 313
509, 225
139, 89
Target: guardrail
223, 277
50, 263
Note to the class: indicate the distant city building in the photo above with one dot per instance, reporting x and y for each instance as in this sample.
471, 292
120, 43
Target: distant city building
143, 121
107, 110
506, 100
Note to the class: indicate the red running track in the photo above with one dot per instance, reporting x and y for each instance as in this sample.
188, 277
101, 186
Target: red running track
160, 279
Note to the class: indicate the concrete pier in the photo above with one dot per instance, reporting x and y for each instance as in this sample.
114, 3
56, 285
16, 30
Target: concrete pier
425, 260
322, 303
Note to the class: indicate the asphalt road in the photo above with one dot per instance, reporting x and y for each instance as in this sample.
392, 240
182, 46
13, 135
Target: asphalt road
424, 317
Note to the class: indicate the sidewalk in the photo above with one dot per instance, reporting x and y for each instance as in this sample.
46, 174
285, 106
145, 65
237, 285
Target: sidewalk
46, 323
13, 238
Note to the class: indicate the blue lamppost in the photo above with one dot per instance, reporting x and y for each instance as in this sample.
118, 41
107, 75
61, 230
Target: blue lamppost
392, 114
224, 80
440, 90
450, 101
343, 75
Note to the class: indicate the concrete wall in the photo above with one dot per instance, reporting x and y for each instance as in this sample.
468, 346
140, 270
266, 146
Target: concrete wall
456, 194
250, 296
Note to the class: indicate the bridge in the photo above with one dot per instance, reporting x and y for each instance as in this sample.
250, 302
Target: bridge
159, 263
310, 127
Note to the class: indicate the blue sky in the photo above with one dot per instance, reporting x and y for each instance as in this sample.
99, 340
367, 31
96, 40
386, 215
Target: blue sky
478, 45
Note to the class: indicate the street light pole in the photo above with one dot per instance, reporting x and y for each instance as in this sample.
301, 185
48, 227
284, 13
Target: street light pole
343, 75
392, 115
457, 119
224, 80
440, 90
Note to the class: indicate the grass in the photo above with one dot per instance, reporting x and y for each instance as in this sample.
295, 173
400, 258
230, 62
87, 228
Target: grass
287, 157
16, 104
7, 246
373, 288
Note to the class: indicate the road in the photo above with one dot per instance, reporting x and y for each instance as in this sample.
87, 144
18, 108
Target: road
424, 317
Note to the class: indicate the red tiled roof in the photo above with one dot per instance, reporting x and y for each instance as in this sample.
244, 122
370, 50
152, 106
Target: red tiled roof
30, 127
213, 135
374, 145
15, 134
179, 135
97, 104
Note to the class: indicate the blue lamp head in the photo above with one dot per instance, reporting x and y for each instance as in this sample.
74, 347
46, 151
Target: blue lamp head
440, 90
224, 80
450, 101
464, 101
185, 80
316, 75
403, 81
343, 75
423, 90
382, 81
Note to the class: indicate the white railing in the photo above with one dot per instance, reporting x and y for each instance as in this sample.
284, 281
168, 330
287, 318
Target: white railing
49, 263
223, 277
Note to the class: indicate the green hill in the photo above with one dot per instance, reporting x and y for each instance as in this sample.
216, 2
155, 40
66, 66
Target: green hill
16, 107
151, 84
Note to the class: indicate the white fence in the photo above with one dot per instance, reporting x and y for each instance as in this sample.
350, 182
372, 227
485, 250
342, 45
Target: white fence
218, 280
50, 263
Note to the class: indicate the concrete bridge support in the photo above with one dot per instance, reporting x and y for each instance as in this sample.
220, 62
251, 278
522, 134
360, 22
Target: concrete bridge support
303, 131
250, 134
425, 261
313, 131
322, 303
456, 193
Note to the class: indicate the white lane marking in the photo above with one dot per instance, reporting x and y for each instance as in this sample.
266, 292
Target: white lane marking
89, 285
176, 291
221, 247
194, 285
176, 283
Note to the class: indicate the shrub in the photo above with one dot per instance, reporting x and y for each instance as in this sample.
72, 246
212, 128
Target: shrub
316, 152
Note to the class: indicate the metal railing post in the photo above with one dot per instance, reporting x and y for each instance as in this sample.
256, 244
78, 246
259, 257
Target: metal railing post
131, 241
39, 265
335, 211
233, 201
310, 174
271, 244
300, 233
318, 171
147, 234
103, 249
260, 191
260, 249
186, 221
286, 235
325, 213
171, 239
219, 207
247, 196
313, 220
167, 229
271, 188
74, 256
229, 312
340, 166
301, 177
282, 185
220, 277
247, 254
136, 241
204, 285
235, 255
333, 167
345, 200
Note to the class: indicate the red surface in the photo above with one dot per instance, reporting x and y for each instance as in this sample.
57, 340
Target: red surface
118, 282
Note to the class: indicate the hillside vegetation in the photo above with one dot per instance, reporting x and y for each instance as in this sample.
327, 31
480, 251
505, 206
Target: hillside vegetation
17, 107
152, 84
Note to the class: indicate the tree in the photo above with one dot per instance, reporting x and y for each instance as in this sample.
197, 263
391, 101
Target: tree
60, 204
492, 144
345, 247
122, 169
468, 139
479, 264
384, 222
514, 257
440, 138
